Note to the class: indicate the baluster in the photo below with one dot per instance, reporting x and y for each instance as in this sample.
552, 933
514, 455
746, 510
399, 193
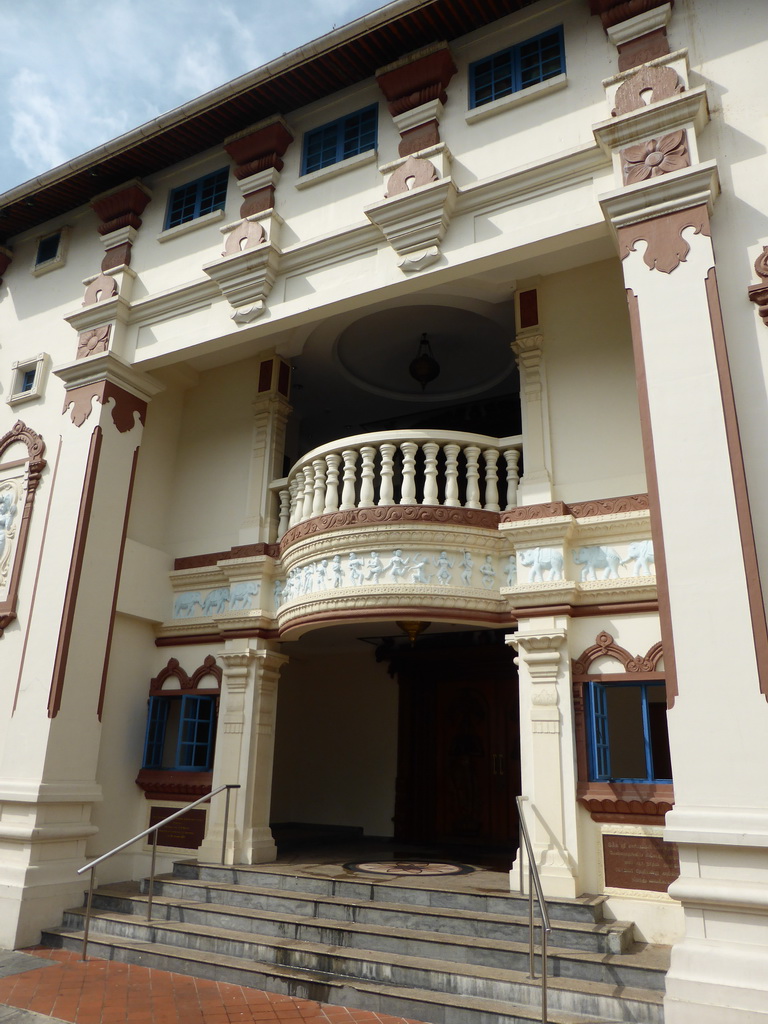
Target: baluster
285, 512
332, 482
366, 476
309, 491
386, 491
431, 448
452, 475
408, 493
472, 455
297, 497
348, 489
512, 456
318, 501
490, 455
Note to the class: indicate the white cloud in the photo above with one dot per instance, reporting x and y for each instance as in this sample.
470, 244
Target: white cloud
74, 76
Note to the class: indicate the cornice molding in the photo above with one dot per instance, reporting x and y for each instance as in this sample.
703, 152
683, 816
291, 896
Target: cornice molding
657, 197
110, 368
690, 108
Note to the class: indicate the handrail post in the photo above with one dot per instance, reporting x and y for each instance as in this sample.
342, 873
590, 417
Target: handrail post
544, 973
152, 875
87, 924
226, 825
531, 954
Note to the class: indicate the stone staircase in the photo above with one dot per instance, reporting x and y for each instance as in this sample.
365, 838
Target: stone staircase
456, 955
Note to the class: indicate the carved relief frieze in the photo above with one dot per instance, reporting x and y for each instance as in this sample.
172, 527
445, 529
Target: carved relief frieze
21, 464
238, 597
390, 514
655, 157
758, 293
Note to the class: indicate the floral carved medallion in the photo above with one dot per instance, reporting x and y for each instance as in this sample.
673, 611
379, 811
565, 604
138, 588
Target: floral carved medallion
655, 157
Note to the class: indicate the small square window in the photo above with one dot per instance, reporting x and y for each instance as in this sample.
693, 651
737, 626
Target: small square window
28, 379
339, 140
48, 248
528, 63
51, 252
195, 199
180, 733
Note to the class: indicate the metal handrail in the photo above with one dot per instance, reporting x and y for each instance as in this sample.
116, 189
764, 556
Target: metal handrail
534, 882
152, 830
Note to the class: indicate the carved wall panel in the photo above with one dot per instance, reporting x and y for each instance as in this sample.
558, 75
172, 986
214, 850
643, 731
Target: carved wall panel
21, 463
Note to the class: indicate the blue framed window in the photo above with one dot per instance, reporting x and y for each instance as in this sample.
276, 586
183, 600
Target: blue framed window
193, 200
519, 67
180, 733
627, 737
338, 140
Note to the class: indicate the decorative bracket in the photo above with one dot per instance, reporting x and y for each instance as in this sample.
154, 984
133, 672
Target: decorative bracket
415, 221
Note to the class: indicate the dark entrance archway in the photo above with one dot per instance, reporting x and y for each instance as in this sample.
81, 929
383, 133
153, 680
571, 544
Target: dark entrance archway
458, 743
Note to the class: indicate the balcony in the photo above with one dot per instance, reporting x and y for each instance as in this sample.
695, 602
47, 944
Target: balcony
448, 469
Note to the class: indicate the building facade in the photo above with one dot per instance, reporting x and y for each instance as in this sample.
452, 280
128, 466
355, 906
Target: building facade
382, 434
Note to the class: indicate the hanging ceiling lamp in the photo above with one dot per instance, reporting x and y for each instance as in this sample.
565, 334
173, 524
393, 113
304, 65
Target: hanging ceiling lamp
424, 368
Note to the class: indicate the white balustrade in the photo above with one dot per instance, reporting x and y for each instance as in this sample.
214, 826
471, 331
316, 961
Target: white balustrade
425, 467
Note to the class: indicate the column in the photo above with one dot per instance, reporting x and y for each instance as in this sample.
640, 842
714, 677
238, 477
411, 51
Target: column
718, 717
271, 411
547, 753
528, 346
245, 743
56, 654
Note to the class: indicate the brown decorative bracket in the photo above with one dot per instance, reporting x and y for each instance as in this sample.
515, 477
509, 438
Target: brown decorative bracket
661, 82
18, 478
613, 12
411, 83
758, 293
605, 646
666, 248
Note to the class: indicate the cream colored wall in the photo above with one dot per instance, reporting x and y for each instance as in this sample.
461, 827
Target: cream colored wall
336, 745
211, 470
593, 412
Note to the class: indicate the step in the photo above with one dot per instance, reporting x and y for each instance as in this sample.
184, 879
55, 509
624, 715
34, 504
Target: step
608, 1001
407, 932
603, 937
429, 1007
452, 895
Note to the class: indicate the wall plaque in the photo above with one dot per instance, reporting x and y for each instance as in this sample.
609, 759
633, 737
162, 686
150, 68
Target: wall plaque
639, 862
186, 832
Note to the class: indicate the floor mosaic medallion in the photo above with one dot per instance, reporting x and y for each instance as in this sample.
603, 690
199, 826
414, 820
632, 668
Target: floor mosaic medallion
415, 868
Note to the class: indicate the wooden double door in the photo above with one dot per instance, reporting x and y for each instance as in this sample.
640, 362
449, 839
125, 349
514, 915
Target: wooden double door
458, 747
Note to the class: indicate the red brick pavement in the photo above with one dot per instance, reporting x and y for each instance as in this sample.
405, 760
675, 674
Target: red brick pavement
108, 992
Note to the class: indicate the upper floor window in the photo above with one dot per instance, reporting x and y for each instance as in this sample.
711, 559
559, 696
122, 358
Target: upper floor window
528, 63
48, 248
627, 738
348, 136
195, 199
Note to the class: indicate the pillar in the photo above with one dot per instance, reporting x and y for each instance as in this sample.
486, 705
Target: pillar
56, 651
707, 570
271, 411
245, 744
547, 753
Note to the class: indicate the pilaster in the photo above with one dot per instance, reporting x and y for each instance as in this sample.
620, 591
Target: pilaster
245, 743
547, 753
536, 483
57, 659
699, 500
271, 410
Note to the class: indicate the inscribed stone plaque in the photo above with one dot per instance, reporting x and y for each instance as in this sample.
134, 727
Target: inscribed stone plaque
639, 862
187, 831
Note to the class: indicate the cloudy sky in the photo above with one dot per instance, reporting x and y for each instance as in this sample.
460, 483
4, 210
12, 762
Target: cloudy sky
74, 73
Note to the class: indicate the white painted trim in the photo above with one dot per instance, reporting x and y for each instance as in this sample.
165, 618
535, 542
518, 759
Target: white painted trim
190, 225
333, 170
516, 99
